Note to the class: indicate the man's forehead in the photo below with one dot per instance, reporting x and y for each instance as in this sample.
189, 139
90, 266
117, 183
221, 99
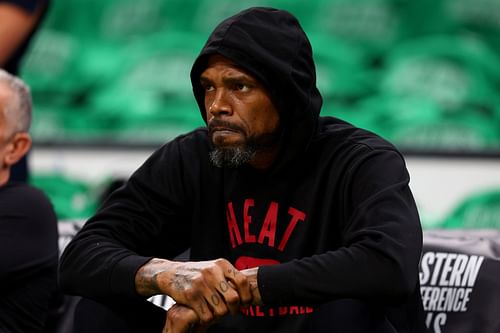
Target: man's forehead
217, 61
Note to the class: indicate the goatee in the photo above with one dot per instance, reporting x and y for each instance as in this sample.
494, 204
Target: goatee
232, 157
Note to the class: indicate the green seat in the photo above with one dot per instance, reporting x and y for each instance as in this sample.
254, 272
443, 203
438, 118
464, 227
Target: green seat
151, 87
87, 51
480, 210
419, 123
209, 13
455, 17
456, 72
125, 21
375, 25
305, 12
479, 17
72, 199
448, 135
455, 78
53, 68
53, 65
342, 72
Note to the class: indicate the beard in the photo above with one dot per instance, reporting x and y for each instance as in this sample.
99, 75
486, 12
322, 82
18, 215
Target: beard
233, 156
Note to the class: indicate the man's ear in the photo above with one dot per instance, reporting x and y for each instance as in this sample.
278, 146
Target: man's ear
18, 147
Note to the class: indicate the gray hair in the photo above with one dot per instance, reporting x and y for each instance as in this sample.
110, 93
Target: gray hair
18, 110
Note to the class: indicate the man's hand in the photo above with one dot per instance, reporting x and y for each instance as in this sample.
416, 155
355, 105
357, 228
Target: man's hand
181, 319
210, 288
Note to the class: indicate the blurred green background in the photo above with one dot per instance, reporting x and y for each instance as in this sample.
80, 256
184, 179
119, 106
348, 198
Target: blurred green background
424, 74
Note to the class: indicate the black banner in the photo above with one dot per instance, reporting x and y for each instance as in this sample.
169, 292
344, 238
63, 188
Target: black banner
460, 281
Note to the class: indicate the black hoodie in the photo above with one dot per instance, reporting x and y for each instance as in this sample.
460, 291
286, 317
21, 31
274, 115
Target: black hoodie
332, 224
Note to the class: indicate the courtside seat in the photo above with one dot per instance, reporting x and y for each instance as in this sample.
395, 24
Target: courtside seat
72, 198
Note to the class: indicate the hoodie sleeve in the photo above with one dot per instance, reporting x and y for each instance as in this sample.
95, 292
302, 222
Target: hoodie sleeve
382, 242
134, 224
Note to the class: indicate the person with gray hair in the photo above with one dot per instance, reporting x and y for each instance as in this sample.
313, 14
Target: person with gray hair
28, 223
15, 99
18, 108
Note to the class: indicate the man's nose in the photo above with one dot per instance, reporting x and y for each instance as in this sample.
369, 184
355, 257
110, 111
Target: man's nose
220, 104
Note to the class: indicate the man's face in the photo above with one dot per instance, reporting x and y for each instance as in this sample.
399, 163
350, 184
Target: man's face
242, 119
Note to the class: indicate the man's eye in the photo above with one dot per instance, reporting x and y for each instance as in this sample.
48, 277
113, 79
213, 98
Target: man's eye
209, 87
241, 87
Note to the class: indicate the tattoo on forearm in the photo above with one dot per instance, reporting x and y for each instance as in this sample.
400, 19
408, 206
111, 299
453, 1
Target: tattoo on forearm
147, 281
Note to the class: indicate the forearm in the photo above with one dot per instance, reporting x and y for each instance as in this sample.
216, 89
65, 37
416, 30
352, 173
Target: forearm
94, 266
356, 272
15, 26
105, 255
147, 278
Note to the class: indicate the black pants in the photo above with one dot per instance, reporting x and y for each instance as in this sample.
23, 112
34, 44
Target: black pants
120, 317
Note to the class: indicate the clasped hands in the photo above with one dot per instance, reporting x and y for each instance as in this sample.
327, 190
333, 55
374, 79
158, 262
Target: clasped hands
204, 291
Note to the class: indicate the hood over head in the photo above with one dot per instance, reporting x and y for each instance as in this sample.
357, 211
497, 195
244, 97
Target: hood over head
270, 44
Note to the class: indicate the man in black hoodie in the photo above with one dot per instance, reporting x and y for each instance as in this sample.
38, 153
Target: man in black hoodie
295, 222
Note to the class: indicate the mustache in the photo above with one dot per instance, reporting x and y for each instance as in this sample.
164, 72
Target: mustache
215, 123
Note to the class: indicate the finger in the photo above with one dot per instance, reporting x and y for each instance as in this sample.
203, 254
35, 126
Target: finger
180, 319
204, 311
218, 294
231, 296
240, 283
226, 289
197, 298
219, 301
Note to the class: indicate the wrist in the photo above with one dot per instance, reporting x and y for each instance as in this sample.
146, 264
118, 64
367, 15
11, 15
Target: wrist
150, 276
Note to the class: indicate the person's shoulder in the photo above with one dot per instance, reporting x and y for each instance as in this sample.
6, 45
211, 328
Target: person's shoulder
199, 134
193, 140
25, 188
185, 146
340, 132
31, 197
14, 188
